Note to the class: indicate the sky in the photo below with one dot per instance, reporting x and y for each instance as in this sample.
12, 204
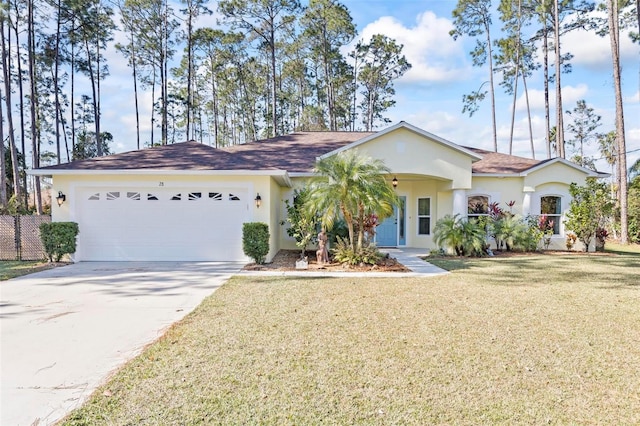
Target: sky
429, 96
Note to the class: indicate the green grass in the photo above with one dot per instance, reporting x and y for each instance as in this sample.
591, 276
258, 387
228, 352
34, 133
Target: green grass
11, 269
614, 247
546, 339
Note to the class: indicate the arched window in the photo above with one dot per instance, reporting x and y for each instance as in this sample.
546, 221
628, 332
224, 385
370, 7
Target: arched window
477, 205
551, 207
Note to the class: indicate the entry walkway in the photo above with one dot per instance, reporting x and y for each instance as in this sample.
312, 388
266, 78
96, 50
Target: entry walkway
412, 259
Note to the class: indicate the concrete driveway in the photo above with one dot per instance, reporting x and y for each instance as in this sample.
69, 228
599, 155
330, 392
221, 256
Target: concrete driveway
63, 331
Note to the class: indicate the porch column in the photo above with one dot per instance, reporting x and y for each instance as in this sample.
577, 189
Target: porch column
526, 202
460, 202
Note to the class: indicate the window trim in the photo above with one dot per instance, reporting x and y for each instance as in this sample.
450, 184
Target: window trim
419, 216
557, 217
478, 215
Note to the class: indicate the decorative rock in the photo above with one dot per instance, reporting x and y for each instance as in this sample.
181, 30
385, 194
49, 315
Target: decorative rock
302, 264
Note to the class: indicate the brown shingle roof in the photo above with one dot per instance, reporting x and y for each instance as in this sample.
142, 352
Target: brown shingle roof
495, 162
296, 152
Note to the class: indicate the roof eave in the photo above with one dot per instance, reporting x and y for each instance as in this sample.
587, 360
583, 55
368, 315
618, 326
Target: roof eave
588, 172
94, 172
498, 175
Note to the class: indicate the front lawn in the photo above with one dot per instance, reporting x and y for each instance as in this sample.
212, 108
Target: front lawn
14, 268
545, 339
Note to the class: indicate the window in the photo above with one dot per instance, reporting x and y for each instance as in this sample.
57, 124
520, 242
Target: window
551, 207
233, 197
151, 197
133, 196
177, 197
194, 196
424, 216
216, 196
113, 195
477, 205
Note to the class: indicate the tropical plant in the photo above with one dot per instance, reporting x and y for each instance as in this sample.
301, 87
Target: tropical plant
545, 224
530, 239
344, 253
634, 210
302, 223
509, 230
351, 186
464, 237
589, 209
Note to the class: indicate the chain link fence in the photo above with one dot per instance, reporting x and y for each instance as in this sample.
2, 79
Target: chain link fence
20, 237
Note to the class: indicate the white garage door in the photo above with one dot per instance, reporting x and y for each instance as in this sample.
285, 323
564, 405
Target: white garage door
161, 224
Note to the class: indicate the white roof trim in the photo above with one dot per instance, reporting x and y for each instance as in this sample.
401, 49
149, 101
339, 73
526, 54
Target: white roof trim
53, 172
281, 175
497, 175
584, 170
302, 174
409, 127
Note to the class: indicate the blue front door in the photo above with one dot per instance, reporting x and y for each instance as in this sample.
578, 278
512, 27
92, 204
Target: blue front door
391, 232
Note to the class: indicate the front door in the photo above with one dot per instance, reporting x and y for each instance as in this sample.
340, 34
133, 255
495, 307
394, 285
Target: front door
391, 232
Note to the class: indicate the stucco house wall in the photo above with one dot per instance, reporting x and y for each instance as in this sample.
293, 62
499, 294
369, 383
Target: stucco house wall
425, 166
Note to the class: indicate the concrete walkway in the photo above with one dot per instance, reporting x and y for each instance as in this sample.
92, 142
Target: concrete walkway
63, 331
409, 257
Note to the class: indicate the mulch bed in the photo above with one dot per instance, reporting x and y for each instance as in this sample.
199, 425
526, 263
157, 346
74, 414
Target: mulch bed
285, 260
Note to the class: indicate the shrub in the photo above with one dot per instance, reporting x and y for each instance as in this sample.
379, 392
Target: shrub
344, 253
589, 209
303, 223
58, 239
529, 239
466, 238
255, 241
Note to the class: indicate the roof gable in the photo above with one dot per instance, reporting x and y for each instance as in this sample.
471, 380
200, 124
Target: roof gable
412, 128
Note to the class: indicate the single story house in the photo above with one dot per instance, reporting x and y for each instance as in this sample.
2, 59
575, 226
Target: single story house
188, 201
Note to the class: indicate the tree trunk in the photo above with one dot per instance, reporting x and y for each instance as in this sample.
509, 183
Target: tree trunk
3, 164
559, 112
153, 103
491, 88
23, 130
614, 35
274, 80
94, 97
6, 72
35, 136
545, 66
515, 98
56, 82
526, 96
73, 87
189, 74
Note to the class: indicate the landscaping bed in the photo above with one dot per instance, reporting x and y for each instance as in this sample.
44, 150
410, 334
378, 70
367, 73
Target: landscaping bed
285, 260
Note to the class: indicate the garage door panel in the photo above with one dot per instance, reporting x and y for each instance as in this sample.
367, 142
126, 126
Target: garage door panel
151, 224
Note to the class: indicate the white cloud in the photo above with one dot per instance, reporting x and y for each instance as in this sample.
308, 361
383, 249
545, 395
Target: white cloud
635, 98
570, 95
593, 51
433, 54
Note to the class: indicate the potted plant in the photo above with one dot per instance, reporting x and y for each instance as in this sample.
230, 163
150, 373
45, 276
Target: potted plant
571, 240
601, 236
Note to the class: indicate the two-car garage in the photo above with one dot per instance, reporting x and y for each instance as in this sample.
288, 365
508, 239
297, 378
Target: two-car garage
132, 223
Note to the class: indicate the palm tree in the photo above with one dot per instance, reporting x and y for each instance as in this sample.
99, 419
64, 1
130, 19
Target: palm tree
352, 186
